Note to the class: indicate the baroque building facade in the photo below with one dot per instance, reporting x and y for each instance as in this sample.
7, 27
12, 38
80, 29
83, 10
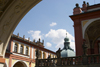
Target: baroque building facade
87, 28
87, 39
21, 52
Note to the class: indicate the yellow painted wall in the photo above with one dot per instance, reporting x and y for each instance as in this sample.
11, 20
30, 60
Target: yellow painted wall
27, 63
33, 65
13, 61
84, 22
7, 60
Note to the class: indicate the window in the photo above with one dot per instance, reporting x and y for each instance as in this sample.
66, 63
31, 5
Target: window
16, 47
26, 50
40, 54
21, 49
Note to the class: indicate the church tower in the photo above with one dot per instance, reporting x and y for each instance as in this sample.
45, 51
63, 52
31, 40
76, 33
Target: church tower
67, 51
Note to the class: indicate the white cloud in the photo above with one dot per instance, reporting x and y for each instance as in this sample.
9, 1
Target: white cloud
57, 37
53, 24
35, 34
48, 44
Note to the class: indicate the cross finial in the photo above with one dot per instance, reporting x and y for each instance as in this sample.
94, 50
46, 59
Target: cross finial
66, 34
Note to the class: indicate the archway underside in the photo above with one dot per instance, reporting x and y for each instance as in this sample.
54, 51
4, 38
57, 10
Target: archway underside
20, 64
11, 12
92, 33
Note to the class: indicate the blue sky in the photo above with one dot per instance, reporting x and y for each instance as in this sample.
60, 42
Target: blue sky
49, 20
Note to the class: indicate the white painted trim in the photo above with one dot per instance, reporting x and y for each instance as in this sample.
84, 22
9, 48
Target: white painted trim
87, 24
42, 54
6, 63
21, 55
29, 51
47, 55
24, 49
19, 61
19, 47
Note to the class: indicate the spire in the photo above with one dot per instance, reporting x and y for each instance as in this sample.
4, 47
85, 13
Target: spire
66, 34
66, 38
67, 43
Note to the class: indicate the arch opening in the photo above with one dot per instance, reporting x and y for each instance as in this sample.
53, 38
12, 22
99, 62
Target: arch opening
92, 33
19, 64
13, 12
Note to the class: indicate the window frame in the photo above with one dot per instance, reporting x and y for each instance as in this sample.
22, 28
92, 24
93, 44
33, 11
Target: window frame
16, 47
21, 49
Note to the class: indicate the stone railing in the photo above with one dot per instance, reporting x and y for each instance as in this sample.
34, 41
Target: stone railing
79, 60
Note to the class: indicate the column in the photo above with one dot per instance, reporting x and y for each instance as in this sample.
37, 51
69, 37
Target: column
78, 37
24, 49
42, 54
29, 50
10, 61
13, 46
19, 48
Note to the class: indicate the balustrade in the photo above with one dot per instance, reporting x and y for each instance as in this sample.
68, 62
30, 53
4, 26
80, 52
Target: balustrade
78, 60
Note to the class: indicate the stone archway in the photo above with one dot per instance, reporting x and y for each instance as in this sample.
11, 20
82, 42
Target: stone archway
19, 64
11, 12
92, 32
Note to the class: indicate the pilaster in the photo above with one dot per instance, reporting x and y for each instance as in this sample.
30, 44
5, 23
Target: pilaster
24, 49
12, 46
78, 37
19, 48
30, 51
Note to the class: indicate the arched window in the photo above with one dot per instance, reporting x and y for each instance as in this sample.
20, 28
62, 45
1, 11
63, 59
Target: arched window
16, 47
40, 54
26, 50
21, 49
43, 55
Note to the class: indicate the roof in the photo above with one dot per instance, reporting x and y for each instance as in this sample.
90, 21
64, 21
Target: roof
34, 44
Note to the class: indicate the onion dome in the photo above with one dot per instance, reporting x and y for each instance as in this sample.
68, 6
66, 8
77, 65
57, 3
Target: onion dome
67, 51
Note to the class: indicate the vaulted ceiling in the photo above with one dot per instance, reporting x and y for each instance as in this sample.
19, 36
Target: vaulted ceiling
93, 31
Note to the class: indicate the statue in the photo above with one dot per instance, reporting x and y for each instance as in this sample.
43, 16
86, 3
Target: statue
39, 39
58, 53
84, 48
37, 53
